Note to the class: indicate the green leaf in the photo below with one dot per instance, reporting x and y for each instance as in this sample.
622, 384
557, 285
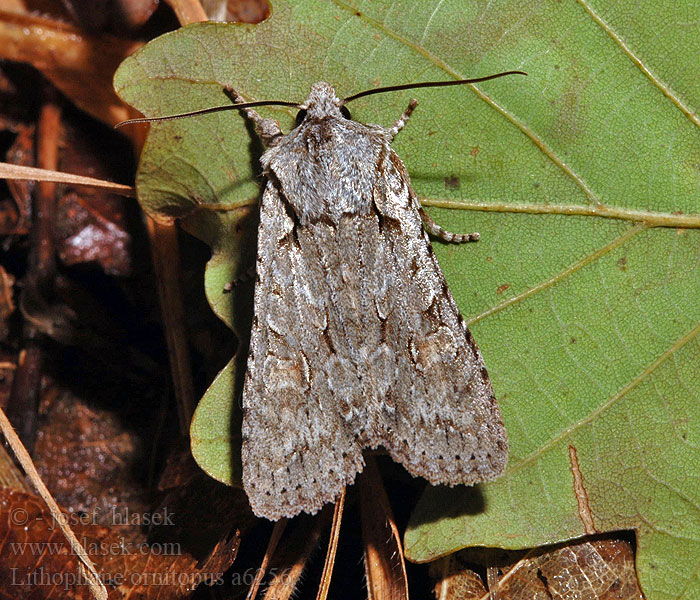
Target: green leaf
583, 180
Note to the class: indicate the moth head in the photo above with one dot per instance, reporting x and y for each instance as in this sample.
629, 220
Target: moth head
322, 102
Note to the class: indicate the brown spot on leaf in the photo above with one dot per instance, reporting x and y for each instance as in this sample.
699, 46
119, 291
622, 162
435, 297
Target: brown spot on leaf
502, 288
452, 182
622, 263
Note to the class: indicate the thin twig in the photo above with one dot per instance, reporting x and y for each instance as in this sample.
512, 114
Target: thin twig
269, 551
188, 11
165, 254
332, 549
38, 288
22, 173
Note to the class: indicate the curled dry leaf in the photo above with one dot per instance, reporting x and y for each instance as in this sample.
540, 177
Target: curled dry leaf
455, 580
78, 64
596, 569
15, 216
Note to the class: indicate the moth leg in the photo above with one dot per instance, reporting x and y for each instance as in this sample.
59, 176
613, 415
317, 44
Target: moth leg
399, 125
452, 238
268, 129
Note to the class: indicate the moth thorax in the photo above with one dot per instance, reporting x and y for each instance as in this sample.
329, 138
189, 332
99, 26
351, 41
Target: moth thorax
322, 101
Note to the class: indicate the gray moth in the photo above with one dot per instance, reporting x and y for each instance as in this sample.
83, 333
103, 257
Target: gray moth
356, 340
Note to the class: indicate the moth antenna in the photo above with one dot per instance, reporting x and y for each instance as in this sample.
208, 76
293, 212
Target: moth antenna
410, 86
206, 111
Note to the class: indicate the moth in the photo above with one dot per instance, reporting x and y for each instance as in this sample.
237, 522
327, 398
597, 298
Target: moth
356, 340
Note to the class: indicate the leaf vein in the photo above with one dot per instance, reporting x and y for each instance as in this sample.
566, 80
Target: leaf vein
535, 139
586, 260
669, 352
650, 218
665, 90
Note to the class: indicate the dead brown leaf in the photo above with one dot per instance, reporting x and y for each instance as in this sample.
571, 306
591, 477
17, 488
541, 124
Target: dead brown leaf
88, 459
454, 580
36, 562
79, 64
592, 569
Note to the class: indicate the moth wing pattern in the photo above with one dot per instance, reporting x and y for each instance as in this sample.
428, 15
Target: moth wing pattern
297, 451
439, 418
356, 340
